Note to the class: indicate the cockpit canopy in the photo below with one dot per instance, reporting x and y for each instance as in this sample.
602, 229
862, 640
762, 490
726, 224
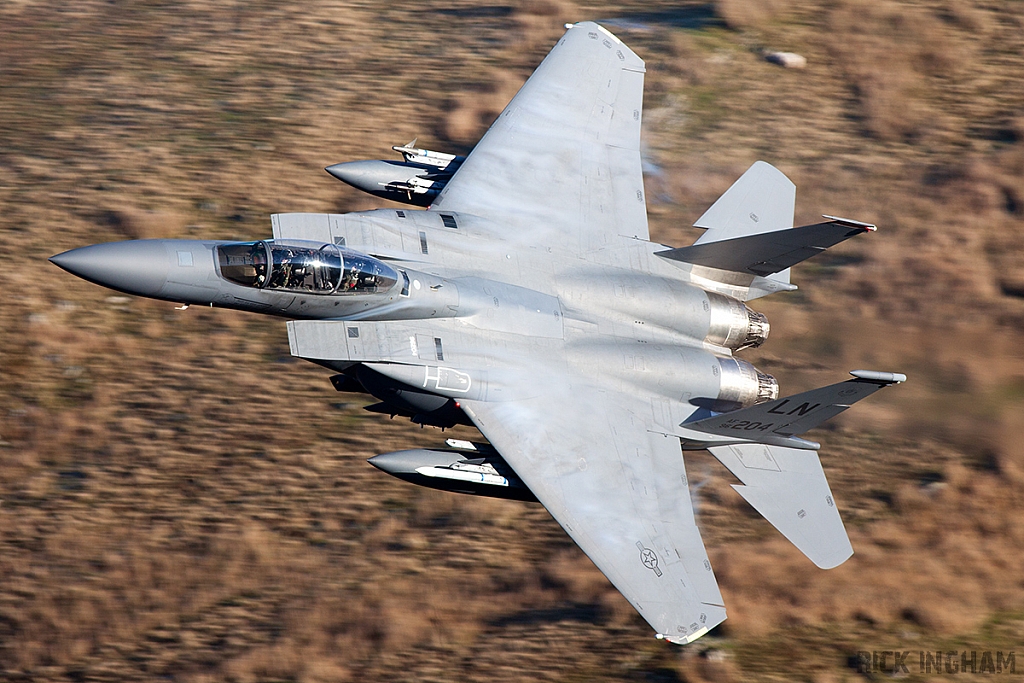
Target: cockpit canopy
303, 267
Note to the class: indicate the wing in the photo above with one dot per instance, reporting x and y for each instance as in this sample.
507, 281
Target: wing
560, 167
589, 455
621, 493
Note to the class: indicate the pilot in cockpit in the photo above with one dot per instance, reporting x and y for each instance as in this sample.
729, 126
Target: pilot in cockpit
305, 267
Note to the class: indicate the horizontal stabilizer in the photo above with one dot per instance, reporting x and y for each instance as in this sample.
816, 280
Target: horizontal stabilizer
769, 252
776, 422
788, 487
762, 200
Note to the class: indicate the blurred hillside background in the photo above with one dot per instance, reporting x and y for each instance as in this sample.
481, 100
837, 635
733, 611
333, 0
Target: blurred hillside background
179, 500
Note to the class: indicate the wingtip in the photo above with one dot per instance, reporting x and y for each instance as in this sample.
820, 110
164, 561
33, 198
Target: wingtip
834, 560
683, 640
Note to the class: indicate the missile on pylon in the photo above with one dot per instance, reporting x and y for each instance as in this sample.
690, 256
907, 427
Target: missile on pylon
416, 180
478, 470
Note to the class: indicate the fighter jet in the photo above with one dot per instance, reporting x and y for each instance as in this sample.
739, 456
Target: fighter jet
528, 301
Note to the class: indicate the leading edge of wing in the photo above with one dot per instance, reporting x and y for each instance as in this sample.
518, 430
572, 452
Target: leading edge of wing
561, 164
621, 493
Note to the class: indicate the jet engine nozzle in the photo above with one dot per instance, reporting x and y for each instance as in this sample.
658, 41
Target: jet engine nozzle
767, 387
733, 325
743, 385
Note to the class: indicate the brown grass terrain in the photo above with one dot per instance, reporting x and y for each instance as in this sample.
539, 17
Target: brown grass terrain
180, 500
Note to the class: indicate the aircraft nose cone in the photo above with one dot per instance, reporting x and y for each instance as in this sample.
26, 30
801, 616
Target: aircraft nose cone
135, 267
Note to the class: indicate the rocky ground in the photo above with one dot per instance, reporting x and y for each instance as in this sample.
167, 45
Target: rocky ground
181, 500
